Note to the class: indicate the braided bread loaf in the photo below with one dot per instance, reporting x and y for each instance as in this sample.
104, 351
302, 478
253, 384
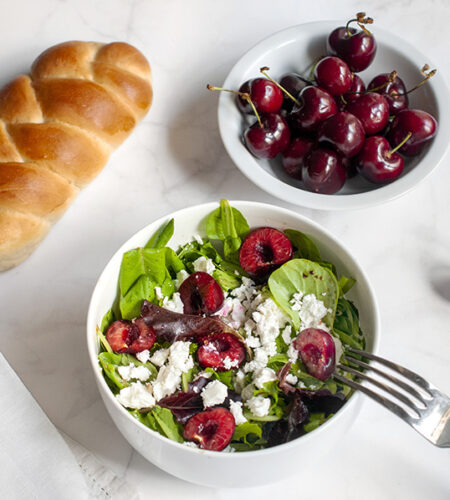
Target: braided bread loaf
58, 127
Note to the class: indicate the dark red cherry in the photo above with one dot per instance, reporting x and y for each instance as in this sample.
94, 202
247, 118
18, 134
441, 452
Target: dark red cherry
263, 250
215, 348
324, 171
201, 294
293, 83
243, 105
130, 336
317, 351
376, 163
394, 91
333, 75
294, 156
265, 95
270, 139
211, 429
344, 132
372, 110
354, 46
420, 124
356, 90
316, 106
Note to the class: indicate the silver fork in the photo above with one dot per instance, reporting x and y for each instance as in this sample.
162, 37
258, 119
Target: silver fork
425, 408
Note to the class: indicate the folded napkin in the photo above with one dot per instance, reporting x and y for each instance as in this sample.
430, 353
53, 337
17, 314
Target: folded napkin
36, 462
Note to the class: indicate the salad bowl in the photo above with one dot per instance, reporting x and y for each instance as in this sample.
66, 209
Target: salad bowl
238, 469
294, 50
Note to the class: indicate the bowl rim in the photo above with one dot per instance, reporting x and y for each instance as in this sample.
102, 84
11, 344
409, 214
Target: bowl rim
433, 157
208, 207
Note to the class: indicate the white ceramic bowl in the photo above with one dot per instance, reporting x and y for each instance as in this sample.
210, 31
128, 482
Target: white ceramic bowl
232, 469
293, 50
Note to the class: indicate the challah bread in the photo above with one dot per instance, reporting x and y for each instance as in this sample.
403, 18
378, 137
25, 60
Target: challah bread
58, 127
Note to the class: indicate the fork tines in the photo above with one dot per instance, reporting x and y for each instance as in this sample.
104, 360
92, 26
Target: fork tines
414, 399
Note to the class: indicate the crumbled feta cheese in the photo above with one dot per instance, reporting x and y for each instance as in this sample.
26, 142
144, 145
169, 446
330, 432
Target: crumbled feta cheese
181, 276
202, 264
134, 372
259, 360
136, 396
236, 410
143, 356
259, 406
252, 342
286, 335
291, 379
167, 381
269, 319
179, 356
292, 353
260, 377
226, 308
214, 393
160, 357
158, 293
229, 363
198, 239
311, 310
175, 304
245, 291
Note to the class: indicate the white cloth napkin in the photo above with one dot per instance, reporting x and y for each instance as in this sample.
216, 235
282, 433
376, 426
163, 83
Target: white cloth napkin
36, 462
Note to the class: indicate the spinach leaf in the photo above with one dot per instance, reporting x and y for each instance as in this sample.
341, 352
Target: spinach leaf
346, 324
173, 263
226, 280
110, 361
107, 319
345, 284
224, 377
162, 236
228, 225
163, 421
248, 432
130, 304
301, 275
304, 245
139, 262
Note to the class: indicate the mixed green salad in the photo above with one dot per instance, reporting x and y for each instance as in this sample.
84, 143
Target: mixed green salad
229, 342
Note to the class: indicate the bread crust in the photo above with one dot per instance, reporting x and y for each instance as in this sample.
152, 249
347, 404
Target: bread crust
58, 126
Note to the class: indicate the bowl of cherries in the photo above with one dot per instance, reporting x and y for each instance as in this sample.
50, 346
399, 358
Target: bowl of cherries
334, 117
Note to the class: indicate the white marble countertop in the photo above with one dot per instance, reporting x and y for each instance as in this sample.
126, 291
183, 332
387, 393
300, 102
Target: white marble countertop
174, 159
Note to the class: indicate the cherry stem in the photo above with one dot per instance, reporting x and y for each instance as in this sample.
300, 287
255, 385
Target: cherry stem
392, 151
427, 75
313, 68
244, 95
264, 70
361, 19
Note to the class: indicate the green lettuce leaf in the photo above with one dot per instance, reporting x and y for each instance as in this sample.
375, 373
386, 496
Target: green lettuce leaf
162, 236
162, 420
111, 361
301, 275
305, 248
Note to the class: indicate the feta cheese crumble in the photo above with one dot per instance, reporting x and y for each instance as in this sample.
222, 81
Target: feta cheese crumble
174, 304
311, 310
204, 265
259, 406
159, 357
214, 394
167, 381
236, 411
143, 356
136, 396
134, 372
181, 276
261, 376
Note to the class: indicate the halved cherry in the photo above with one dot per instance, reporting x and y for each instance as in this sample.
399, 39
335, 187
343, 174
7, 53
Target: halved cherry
201, 294
317, 351
130, 336
214, 349
211, 429
263, 250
